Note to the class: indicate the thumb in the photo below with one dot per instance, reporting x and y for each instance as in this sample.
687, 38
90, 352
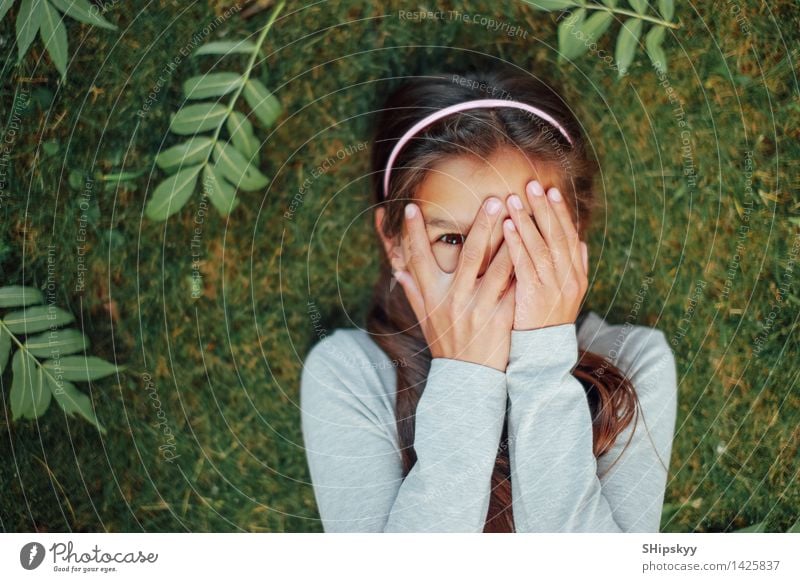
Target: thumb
585, 254
412, 292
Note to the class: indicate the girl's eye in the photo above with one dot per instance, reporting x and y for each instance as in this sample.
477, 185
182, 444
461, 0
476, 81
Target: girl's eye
452, 238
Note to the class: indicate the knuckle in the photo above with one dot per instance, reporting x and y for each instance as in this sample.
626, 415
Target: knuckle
415, 253
457, 300
546, 262
571, 287
479, 315
481, 227
504, 263
571, 235
557, 232
471, 254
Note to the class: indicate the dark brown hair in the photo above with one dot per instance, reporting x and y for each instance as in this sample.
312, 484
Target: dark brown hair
391, 322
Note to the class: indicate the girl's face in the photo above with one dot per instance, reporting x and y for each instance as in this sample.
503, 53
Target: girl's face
453, 192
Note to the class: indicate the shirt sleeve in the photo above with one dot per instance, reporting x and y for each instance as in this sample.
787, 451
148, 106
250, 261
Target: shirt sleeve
554, 473
354, 460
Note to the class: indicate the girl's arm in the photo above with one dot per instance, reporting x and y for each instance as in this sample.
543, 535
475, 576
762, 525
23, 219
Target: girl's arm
354, 460
555, 487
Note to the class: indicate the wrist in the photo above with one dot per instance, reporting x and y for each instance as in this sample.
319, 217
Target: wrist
536, 327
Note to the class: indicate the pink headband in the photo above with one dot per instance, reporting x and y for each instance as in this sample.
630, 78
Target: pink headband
478, 103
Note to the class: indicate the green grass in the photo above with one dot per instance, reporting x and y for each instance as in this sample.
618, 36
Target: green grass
226, 366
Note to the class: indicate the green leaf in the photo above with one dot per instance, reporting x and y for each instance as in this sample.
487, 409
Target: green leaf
21, 394
551, 4
263, 103
194, 151
54, 37
237, 169
795, 528
579, 35
610, 3
640, 6
242, 136
627, 42
19, 296
5, 348
73, 401
29, 19
226, 47
569, 45
29, 395
211, 85
652, 42
220, 192
37, 318
597, 24
667, 9
56, 343
171, 195
196, 118
81, 368
123, 176
5, 5
82, 11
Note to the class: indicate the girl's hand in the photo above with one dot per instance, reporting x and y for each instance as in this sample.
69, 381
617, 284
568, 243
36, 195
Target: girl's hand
463, 317
551, 267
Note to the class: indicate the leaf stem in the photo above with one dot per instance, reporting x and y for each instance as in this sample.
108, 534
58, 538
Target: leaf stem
673, 25
13, 337
28, 354
246, 75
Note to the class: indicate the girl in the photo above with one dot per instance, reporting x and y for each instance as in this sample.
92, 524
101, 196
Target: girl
479, 398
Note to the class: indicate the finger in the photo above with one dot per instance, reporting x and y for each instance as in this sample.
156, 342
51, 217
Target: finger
507, 301
475, 246
524, 270
419, 257
509, 296
497, 276
560, 209
549, 224
412, 292
532, 241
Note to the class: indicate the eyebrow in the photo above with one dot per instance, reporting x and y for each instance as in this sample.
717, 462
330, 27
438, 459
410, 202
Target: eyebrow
447, 224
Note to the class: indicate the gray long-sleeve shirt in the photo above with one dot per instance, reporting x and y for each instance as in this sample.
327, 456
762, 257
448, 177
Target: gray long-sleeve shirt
348, 422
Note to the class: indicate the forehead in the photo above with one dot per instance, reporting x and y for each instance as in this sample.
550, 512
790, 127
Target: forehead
456, 188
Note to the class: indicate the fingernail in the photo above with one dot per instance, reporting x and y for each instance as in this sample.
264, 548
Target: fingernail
535, 188
493, 206
515, 201
508, 224
411, 210
554, 194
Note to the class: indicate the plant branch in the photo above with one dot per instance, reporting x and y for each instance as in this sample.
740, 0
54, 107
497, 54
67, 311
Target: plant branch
673, 25
28, 355
246, 75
